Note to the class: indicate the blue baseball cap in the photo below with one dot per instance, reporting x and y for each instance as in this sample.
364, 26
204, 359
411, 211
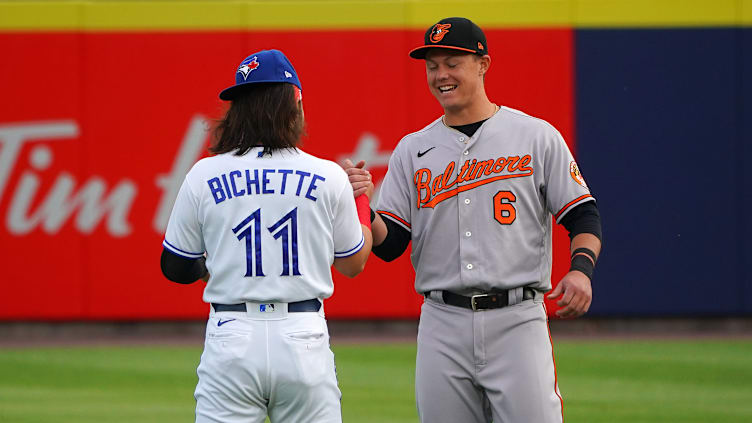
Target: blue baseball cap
264, 66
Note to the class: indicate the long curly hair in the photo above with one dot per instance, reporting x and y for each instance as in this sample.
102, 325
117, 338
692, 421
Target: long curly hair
265, 114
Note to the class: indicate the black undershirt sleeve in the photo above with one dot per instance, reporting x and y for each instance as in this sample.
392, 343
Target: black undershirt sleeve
583, 219
180, 269
395, 243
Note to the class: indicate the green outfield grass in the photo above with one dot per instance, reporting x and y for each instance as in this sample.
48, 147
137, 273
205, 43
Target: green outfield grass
602, 381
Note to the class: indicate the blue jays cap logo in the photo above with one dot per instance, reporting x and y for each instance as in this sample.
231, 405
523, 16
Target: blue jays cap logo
248, 66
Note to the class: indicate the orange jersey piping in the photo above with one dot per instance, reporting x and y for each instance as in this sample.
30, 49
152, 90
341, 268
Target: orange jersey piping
394, 217
570, 203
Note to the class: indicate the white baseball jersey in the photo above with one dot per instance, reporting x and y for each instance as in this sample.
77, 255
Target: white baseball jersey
270, 226
479, 208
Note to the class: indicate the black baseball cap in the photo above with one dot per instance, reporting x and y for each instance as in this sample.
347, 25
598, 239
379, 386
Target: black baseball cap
455, 34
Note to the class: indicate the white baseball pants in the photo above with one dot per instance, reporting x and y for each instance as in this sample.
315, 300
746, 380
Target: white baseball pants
275, 363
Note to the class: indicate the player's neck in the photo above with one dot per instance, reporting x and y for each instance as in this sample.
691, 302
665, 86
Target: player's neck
475, 112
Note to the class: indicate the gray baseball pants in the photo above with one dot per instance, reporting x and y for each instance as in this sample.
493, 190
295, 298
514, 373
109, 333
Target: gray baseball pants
483, 366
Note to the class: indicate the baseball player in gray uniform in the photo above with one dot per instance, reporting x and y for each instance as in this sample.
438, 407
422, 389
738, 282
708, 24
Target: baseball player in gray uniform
475, 191
271, 220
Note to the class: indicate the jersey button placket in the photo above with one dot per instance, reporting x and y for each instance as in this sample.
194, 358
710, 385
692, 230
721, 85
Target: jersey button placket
467, 251
468, 266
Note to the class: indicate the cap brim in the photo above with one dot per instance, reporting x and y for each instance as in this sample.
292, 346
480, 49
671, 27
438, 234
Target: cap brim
420, 52
230, 93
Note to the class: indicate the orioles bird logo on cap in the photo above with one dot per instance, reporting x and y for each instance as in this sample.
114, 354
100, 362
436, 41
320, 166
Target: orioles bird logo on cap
439, 31
248, 66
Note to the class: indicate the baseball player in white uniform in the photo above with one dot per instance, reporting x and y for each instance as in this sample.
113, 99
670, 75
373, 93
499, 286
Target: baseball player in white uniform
270, 221
475, 191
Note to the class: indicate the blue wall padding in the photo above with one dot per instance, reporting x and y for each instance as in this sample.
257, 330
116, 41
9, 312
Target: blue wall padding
659, 122
744, 241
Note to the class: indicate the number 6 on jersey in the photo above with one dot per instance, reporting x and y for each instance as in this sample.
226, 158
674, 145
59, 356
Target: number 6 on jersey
504, 213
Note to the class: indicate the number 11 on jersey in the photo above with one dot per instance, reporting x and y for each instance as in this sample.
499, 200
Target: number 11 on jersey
285, 228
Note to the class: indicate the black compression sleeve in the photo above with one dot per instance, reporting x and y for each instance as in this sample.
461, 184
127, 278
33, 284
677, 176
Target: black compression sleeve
180, 269
395, 242
583, 219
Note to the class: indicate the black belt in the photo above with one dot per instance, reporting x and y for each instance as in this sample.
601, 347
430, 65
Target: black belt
297, 307
484, 301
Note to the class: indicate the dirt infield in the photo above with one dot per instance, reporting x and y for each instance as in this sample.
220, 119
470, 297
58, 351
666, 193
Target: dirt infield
22, 334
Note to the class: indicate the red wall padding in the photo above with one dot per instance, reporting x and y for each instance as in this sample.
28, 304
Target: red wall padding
113, 111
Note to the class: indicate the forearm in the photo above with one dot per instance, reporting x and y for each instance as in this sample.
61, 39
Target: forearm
574, 291
585, 249
588, 241
378, 230
584, 226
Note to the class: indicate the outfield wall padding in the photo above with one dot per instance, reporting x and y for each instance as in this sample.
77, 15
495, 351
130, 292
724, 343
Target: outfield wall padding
104, 107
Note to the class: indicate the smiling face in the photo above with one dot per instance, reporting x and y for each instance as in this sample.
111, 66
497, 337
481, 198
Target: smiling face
455, 78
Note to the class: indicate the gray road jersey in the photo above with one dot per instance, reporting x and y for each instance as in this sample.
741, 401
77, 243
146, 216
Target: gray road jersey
479, 208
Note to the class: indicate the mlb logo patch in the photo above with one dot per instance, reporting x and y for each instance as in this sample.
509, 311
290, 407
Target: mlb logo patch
266, 308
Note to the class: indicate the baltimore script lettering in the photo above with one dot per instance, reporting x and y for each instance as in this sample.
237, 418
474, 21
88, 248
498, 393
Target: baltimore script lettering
432, 191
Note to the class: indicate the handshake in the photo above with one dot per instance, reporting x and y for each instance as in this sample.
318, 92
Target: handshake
359, 177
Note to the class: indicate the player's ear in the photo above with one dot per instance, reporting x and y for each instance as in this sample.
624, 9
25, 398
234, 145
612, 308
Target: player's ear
485, 64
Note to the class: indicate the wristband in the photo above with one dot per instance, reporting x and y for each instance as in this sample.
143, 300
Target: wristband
590, 253
582, 264
364, 210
